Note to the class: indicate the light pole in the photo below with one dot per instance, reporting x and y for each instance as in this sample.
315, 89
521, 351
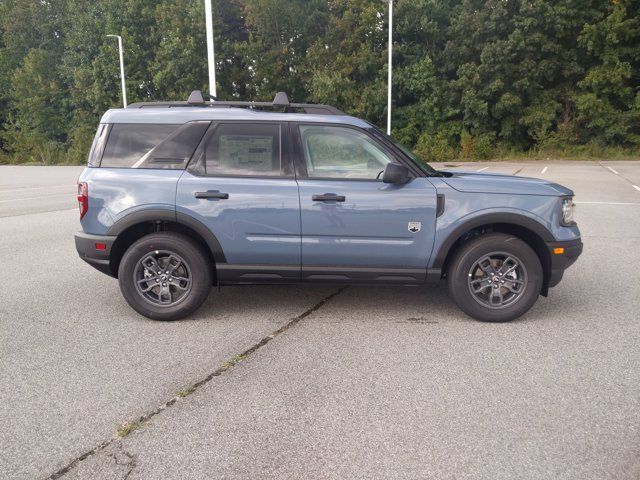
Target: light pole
124, 88
211, 59
390, 66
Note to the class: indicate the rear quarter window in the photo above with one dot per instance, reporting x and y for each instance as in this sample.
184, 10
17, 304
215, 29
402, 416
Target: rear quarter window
165, 146
97, 147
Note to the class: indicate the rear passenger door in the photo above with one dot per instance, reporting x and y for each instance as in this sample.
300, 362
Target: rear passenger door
240, 184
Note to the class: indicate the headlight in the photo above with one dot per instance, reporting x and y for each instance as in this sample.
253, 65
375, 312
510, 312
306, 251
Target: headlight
568, 208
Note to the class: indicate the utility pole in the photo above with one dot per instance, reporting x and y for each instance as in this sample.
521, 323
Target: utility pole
124, 88
390, 67
208, 12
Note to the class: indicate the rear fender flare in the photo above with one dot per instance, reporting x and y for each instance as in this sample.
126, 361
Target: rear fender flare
170, 215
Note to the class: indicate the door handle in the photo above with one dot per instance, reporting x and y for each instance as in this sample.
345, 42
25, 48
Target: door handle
212, 195
328, 197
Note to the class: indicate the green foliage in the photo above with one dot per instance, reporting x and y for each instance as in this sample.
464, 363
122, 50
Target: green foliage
441, 146
473, 79
609, 101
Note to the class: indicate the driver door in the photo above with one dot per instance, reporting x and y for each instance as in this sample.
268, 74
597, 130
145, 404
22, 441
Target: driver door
354, 227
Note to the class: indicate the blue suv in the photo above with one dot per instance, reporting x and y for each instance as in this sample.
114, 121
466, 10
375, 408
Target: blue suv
180, 196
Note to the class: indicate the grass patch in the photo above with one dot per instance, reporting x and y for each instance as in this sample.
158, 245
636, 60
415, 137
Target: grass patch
233, 361
185, 392
127, 428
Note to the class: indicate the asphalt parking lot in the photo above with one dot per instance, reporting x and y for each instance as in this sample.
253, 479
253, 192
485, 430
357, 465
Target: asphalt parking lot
358, 382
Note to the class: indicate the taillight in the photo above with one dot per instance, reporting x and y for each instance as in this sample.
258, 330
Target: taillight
83, 198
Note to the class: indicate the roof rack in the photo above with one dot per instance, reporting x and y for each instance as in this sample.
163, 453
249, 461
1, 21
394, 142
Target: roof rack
281, 101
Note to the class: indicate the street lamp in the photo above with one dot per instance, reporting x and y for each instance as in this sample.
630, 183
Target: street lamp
124, 89
390, 65
210, 52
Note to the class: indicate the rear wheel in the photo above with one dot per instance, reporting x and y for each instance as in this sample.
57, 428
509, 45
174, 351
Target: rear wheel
495, 278
165, 276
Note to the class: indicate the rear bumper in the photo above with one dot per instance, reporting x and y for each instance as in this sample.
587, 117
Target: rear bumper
86, 247
561, 261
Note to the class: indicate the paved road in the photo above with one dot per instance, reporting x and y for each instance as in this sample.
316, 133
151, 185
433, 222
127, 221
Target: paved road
365, 382
26, 190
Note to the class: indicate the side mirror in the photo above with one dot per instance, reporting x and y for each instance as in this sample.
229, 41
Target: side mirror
395, 173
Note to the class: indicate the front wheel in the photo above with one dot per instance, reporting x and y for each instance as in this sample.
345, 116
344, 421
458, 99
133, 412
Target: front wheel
165, 276
495, 277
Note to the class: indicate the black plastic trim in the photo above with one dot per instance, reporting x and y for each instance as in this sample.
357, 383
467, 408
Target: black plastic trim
86, 247
160, 215
434, 275
234, 274
251, 274
356, 274
490, 218
142, 216
309, 108
559, 263
212, 195
440, 204
202, 230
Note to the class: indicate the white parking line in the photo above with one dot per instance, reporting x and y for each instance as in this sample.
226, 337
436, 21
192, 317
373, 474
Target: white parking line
544, 170
636, 187
613, 170
482, 169
41, 197
73, 187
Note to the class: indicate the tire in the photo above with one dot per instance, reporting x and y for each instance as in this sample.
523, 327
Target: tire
485, 262
165, 276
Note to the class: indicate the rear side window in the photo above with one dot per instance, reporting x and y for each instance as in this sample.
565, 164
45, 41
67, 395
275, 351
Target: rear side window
152, 145
241, 149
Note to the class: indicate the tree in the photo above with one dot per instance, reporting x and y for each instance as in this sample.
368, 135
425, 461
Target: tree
469, 75
609, 102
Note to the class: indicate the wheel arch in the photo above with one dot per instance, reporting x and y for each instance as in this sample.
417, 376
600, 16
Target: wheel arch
136, 225
531, 232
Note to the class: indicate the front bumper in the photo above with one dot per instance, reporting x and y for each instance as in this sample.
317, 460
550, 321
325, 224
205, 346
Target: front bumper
571, 250
86, 245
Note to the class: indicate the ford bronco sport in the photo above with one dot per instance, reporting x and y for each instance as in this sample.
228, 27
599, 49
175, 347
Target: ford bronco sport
180, 196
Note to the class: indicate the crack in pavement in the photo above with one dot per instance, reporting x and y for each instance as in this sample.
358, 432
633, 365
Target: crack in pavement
144, 419
129, 460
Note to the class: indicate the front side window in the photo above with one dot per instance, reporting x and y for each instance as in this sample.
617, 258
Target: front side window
425, 167
341, 152
152, 145
241, 149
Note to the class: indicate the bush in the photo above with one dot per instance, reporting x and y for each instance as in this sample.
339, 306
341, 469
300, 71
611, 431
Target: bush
29, 147
476, 148
80, 139
468, 147
485, 147
435, 148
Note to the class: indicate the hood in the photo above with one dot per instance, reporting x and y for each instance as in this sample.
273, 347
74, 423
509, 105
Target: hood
474, 182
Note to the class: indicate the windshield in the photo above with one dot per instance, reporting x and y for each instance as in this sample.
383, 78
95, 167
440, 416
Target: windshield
425, 167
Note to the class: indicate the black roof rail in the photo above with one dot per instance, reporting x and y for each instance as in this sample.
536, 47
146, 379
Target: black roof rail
281, 100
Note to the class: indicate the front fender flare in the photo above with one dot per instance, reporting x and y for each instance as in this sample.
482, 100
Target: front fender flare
486, 219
